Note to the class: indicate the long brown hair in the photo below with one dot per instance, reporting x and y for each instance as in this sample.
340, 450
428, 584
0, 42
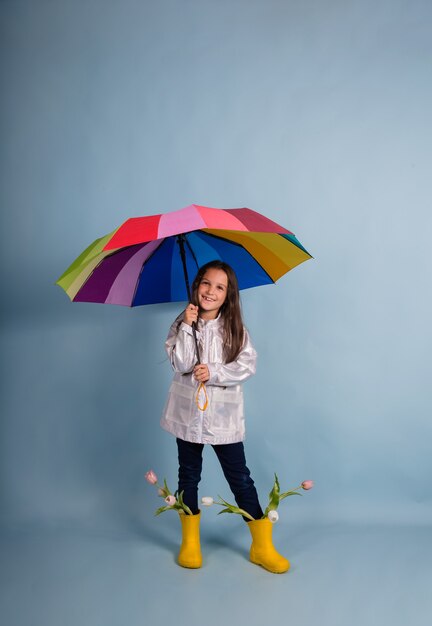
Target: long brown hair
230, 311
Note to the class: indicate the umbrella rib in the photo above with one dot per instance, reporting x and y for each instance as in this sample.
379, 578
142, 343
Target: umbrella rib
191, 251
230, 241
142, 269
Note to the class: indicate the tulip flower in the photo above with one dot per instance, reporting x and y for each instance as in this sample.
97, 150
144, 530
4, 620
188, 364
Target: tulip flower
207, 501
151, 477
172, 502
307, 484
273, 516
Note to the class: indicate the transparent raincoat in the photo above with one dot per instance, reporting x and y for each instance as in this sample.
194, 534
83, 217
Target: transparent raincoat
223, 420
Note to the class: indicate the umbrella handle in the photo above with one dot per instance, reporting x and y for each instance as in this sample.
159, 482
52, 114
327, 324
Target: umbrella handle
201, 407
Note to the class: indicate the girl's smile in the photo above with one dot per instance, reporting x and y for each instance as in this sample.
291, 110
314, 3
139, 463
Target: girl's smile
212, 293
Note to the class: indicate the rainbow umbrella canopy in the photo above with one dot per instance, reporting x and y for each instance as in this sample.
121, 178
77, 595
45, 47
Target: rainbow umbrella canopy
149, 259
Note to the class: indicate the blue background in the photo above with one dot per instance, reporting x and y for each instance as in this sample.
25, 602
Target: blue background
315, 113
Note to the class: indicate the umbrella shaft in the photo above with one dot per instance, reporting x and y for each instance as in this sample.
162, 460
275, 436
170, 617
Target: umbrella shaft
181, 241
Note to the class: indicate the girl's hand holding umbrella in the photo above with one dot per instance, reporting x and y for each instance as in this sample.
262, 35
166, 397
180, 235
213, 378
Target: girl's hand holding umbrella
191, 314
201, 373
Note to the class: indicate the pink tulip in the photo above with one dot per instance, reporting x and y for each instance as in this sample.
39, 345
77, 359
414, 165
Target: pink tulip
307, 484
161, 493
170, 500
151, 477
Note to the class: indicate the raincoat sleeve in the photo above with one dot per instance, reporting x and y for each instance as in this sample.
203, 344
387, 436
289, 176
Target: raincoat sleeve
228, 374
180, 347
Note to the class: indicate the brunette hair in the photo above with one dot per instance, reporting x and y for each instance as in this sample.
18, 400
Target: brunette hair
230, 311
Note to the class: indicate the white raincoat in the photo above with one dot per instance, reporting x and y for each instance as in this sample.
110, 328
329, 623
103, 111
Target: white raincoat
223, 420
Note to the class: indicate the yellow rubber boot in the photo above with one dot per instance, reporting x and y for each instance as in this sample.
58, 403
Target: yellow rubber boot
262, 551
190, 549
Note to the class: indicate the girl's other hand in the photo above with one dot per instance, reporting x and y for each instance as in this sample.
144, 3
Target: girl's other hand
191, 314
201, 373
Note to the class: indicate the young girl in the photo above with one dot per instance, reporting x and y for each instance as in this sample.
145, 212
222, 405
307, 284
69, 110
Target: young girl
227, 359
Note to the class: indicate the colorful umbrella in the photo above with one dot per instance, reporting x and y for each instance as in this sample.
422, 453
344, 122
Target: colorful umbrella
148, 259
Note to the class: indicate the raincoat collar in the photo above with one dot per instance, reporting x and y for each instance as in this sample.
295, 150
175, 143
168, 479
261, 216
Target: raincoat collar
217, 320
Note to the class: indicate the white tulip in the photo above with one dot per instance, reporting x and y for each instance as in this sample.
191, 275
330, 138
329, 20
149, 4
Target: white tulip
207, 501
273, 516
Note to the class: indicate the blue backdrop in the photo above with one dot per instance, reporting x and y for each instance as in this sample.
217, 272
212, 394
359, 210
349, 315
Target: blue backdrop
314, 113
318, 115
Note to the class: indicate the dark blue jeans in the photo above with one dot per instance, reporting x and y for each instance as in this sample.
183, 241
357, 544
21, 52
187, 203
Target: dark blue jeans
232, 459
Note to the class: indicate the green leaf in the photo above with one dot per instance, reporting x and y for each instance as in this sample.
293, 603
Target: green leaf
167, 491
231, 508
183, 506
225, 511
274, 497
289, 493
276, 486
222, 502
162, 509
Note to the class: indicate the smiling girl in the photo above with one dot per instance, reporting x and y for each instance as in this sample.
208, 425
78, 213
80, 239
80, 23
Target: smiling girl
227, 360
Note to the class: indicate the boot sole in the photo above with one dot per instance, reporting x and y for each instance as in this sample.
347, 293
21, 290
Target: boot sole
189, 566
271, 570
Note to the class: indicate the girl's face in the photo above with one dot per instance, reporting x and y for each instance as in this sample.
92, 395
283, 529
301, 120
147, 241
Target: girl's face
212, 293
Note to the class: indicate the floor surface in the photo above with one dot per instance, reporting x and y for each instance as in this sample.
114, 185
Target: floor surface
341, 575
